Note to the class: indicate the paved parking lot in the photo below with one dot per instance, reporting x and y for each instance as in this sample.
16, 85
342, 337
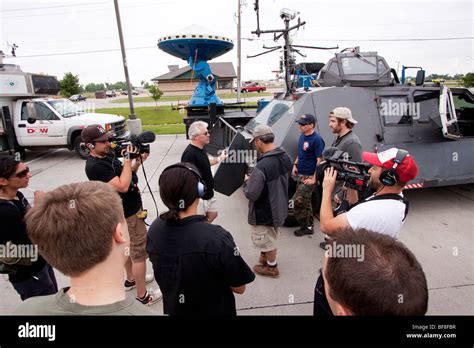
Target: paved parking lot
439, 230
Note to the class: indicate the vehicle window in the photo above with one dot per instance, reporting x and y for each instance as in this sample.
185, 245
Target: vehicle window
397, 110
428, 105
42, 112
333, 68
272, 112
355, 65
66, 107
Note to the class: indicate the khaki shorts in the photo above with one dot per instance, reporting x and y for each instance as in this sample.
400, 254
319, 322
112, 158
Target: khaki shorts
137, 231
264, 238
207, 206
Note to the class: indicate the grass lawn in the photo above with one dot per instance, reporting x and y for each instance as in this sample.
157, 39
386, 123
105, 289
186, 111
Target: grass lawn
149, 115
161, 120
185, 98
166, 128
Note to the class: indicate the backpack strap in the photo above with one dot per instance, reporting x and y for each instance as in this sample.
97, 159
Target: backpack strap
393, 196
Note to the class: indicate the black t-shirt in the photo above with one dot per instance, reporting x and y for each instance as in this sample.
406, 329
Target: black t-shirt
107, 168
13, 229
195, 264
198, 157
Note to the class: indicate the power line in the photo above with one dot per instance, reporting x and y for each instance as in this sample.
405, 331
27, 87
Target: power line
84, 52
47, 7
378, 40
147, 47
74, 12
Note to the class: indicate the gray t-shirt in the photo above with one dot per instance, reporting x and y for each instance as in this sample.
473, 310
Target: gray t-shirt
351, 144
62, 304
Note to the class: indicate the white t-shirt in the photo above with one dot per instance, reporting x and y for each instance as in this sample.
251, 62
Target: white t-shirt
383, 216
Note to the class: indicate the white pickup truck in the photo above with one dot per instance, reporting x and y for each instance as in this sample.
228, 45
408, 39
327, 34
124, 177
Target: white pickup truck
30, 119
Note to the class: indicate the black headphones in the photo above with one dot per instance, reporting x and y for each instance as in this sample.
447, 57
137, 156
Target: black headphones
390, 177
201, 186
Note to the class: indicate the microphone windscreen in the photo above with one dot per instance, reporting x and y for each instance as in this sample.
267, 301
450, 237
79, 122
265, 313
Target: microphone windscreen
146, 137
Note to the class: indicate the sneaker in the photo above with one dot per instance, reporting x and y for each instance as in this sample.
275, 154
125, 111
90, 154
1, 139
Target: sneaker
130, 284
304, 231
151, 297
266, 270
262, 259
323, 245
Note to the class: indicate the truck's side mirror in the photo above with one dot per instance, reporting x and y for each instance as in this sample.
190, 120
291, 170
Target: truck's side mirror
420, 77
32, 115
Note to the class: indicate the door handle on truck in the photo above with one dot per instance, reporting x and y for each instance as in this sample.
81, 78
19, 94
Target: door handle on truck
21, 125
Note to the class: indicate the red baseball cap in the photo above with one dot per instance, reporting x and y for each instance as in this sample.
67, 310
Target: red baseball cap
407, 170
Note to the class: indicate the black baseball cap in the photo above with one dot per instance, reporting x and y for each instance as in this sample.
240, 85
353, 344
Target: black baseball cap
95, 133
306, 119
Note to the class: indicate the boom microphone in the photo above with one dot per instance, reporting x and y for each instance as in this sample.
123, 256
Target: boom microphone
146, 137
329, 152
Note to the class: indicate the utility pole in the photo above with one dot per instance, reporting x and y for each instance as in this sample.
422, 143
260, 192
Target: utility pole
287, 55
134, 123
239, 41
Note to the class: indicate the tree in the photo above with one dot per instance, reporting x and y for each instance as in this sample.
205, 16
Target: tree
146, 85
69, 85
155, 93
94, 87
468, 80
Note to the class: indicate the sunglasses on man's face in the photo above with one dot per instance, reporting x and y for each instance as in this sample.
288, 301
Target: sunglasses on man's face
22, 174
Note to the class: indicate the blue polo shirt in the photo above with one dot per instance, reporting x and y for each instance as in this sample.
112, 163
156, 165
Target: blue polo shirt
310, 147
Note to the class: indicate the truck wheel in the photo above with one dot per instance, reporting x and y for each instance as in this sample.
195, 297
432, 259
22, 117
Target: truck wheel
81, 150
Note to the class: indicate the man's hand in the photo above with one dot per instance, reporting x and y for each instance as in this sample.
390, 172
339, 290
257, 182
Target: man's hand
38, 194
130, 149
310, 181
329, 181
223, 155
294, 172
144, 156
246, 177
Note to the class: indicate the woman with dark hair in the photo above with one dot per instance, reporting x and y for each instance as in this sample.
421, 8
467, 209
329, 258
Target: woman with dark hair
27, 271
196, 264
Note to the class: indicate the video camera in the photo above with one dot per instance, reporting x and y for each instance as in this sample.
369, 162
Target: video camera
354, 174
140, 141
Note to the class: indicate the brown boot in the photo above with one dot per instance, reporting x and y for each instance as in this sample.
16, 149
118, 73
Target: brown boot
262, 259
266, 270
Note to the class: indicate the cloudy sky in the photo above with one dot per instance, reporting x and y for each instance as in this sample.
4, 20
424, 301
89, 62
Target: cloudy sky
55, 37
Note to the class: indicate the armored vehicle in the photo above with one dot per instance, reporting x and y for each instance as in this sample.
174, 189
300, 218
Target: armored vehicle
433, 122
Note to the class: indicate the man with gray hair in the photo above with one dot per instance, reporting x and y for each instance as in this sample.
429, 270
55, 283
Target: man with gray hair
195, 154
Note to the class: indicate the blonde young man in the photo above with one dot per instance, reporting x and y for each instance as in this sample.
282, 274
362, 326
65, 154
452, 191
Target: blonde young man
92, 249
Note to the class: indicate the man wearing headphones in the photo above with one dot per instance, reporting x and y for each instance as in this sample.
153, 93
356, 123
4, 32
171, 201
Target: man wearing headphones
383, 212
104, 166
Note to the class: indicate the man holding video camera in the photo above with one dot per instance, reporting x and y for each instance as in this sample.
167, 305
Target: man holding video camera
383, 212
102, 165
